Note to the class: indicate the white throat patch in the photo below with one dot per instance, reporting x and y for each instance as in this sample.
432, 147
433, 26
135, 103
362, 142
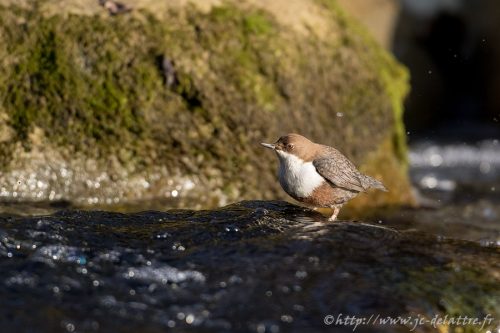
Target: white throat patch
298, 178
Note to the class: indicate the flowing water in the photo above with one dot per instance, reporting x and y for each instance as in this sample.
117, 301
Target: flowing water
461, 188
262, 266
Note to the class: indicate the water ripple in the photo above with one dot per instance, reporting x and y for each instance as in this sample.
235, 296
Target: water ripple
162, 274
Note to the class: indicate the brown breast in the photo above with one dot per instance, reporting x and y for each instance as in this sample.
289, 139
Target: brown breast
327, 196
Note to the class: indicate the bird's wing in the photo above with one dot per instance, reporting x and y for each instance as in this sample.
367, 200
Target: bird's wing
337, 169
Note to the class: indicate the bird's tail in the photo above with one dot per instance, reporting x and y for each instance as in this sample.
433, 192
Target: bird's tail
369, 182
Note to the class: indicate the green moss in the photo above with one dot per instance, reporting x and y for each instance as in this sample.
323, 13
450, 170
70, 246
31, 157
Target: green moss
394, 77
257, 23
241, 37
93, 84
253, 22
73, 87
453, 291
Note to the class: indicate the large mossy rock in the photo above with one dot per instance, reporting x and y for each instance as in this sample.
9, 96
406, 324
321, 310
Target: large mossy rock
173, 99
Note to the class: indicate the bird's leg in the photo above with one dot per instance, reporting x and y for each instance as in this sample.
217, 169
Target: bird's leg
336, 210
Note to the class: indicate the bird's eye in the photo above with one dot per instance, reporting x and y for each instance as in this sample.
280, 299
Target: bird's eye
289, 146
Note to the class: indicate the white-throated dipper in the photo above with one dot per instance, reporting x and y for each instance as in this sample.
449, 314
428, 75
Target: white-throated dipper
318, 175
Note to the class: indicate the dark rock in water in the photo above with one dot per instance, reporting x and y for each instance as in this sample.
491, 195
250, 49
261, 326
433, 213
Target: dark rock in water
252, 266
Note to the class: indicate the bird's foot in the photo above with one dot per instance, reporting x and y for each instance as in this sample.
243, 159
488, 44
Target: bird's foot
333, 217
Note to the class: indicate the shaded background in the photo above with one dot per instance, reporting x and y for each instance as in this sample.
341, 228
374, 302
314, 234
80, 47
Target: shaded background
452, 113
452, 48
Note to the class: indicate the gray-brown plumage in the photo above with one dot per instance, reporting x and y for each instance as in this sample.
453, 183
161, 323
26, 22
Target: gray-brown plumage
318, 175
338, 170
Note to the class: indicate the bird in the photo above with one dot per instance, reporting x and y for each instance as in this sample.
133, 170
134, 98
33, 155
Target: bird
318, 175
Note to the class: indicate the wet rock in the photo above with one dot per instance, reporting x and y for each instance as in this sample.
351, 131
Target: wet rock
253, 266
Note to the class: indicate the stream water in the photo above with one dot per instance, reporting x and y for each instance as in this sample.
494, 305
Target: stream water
263, 266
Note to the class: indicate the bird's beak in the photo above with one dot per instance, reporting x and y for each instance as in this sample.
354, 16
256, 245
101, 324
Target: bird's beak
269, 145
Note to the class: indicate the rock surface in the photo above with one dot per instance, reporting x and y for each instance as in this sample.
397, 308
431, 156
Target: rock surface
378, 16
172, 100
249, 267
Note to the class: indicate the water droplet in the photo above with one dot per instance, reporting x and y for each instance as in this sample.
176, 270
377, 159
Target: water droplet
231, 228
163, 235
175, 193
429, 72
484, 167
82, 261
428, 182
70, 327
301, 274
189, 319
188, 185
436, 160
178, 247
